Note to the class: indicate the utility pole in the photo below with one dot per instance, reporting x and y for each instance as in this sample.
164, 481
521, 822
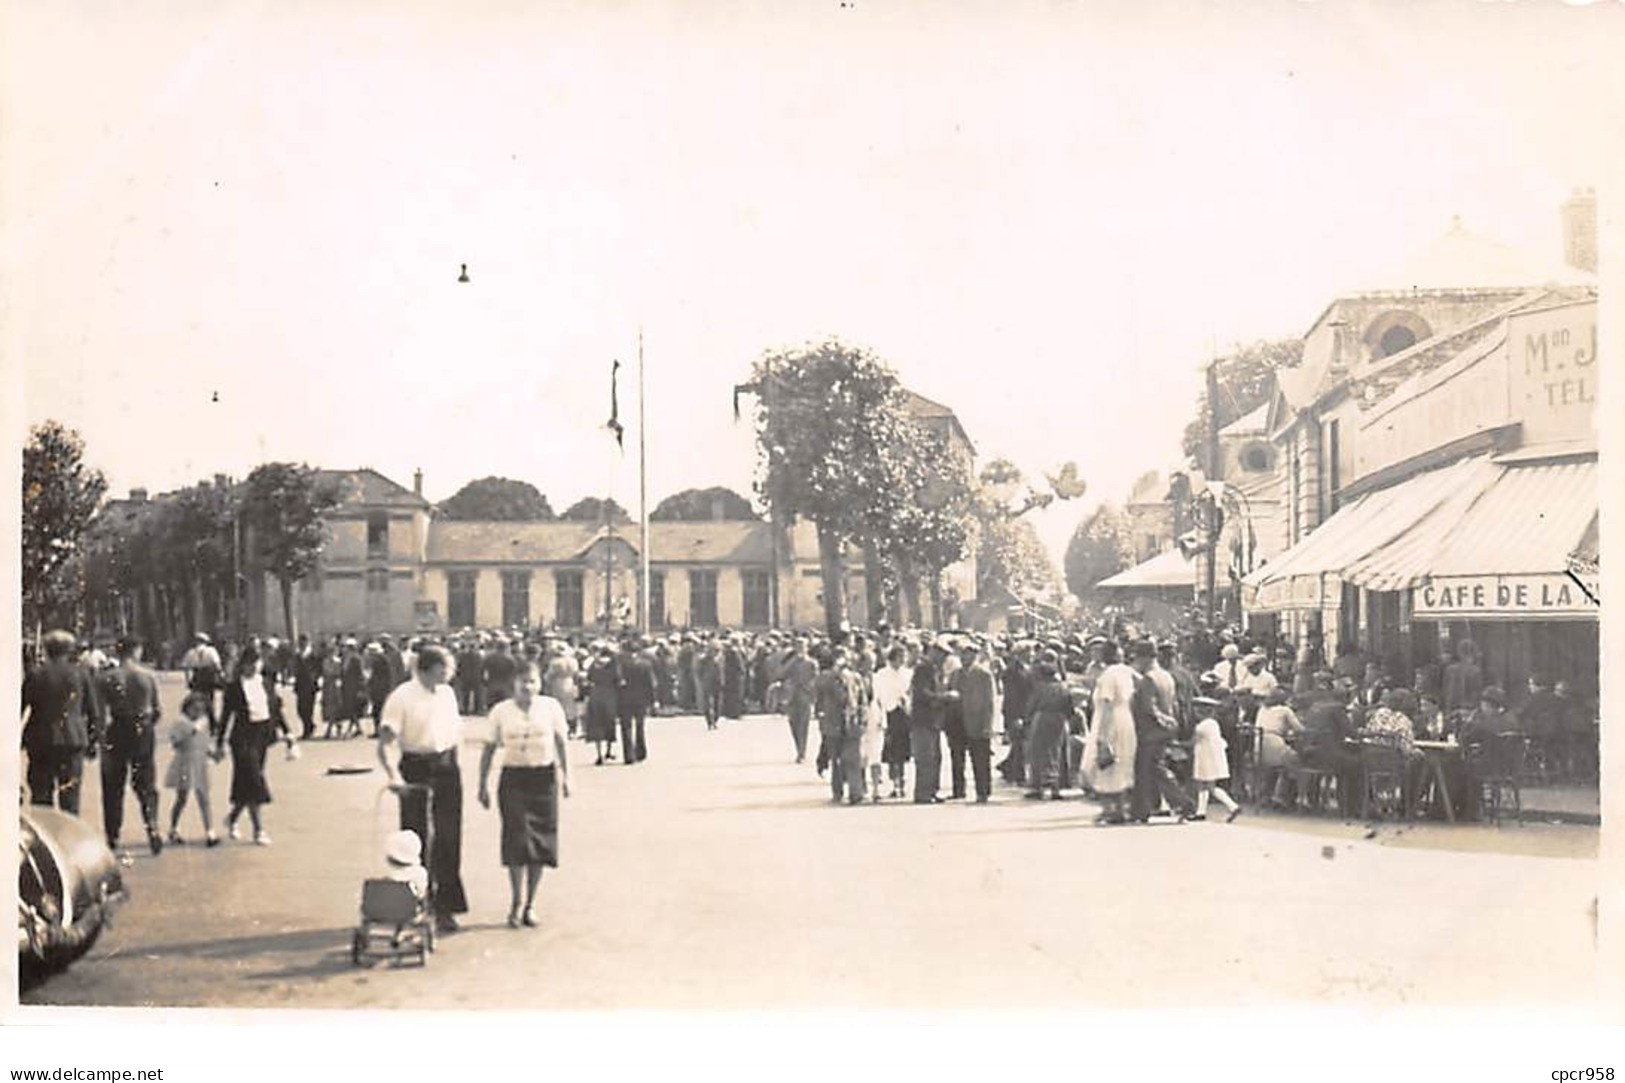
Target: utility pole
646, 623
1215, 471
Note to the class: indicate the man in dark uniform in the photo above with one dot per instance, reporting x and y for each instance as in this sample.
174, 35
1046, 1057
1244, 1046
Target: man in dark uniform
130, 697
307, 681
61, 724
636, 696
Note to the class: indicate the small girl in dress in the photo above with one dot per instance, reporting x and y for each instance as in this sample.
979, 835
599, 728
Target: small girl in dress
189, 767
1208, 763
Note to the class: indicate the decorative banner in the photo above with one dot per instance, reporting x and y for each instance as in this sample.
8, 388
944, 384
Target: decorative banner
1471, 596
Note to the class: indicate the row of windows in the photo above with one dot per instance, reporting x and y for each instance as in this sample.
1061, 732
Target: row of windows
569, 592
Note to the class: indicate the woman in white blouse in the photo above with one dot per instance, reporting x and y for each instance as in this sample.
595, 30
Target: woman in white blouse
530, 730
250, 724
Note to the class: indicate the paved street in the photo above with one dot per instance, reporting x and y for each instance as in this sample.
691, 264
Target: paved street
716, 875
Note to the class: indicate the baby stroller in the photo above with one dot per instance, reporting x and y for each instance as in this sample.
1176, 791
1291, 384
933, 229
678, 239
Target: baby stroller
396, 924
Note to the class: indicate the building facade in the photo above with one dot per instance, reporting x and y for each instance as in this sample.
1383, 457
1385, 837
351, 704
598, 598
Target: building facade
1439, 470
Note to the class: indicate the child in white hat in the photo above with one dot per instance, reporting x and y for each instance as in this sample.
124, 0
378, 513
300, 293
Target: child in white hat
403, 859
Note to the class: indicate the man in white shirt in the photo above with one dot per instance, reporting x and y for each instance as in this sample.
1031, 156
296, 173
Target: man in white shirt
1230, 671
204, 676
421, 715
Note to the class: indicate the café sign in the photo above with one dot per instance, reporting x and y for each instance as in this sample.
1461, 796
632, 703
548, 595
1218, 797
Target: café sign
1473, 596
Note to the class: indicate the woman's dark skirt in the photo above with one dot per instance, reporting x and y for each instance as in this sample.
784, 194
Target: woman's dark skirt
600, 718
528, 801
894, 747
249, 743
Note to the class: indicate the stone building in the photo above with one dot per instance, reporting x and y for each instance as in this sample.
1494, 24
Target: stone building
389, 565
1438, 447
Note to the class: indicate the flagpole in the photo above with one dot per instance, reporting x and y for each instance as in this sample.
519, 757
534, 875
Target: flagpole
643, 498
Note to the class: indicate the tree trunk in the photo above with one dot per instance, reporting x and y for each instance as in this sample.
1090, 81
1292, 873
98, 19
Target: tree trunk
910, 584
874, 585
833, 567
935, 581
287, 605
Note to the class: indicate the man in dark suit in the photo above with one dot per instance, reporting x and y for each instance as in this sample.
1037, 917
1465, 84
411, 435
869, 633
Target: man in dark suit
1153, 729
499, 672
129, 694
930, 698
470, 677
637, 695
61, 724
307, 681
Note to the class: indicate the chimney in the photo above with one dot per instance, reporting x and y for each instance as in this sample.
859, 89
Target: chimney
1580, 230
138, 496
417, 483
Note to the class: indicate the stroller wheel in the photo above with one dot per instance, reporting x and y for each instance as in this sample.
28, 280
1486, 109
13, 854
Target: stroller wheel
358, 946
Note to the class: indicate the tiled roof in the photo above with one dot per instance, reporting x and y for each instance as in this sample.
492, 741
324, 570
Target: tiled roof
563, 542
368, 486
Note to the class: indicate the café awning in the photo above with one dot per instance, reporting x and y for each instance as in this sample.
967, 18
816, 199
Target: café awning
1164, 570
1511, 557
1383, 537
1527, 523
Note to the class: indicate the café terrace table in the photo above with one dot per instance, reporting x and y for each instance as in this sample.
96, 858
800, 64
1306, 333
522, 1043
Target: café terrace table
1436, 753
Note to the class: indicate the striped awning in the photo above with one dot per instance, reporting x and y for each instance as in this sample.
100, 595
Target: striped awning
1383, 537
1527, 523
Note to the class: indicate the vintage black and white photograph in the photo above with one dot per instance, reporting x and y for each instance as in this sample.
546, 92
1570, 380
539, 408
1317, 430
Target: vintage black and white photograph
716, 507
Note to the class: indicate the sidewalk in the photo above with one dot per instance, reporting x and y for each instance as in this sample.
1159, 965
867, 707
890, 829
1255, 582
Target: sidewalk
1570, 804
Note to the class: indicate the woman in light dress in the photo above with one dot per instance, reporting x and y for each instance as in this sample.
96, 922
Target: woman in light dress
529, 729
1108, 753
561, 682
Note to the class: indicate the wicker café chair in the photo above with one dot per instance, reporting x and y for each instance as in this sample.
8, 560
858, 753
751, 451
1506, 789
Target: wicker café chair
1496, 767
1383, 769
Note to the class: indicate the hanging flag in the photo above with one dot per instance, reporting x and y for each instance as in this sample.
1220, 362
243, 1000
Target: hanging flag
615, 425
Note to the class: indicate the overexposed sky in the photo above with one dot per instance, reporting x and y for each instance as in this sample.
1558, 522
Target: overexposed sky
1042, 214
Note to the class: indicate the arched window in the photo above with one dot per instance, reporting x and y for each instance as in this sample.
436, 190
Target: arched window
1396, 339
1256, 457
1394, 331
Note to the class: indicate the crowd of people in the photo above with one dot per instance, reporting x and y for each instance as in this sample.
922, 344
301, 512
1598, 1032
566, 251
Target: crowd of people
1147, 728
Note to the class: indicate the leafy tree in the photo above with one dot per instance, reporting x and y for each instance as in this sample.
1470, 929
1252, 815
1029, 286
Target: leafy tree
831, 438
1009, 554
1101, 546
1008, 551
698, 505
1245, 380
283, 505
60, 497
924, 515
590, 509
500, 500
